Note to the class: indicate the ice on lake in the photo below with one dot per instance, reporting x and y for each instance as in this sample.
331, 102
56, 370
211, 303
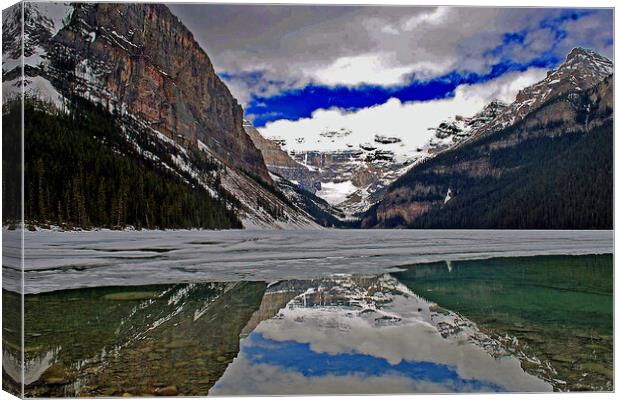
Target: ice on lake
64, 260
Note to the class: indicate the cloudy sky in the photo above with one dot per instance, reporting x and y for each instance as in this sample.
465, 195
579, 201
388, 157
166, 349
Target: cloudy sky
296, 66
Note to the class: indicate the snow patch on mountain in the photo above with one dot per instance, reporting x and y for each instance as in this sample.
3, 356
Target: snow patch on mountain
582, 69
336, 192
36, 86
41, 22
358, 154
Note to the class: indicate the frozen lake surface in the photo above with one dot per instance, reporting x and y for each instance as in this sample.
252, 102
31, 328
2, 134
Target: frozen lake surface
63, 260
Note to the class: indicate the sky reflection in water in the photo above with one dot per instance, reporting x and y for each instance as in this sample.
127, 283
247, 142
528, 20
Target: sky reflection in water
345, 335
463, 326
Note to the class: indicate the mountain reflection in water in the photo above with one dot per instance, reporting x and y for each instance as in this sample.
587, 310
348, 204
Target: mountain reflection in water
366, 335
417, 331
554, 312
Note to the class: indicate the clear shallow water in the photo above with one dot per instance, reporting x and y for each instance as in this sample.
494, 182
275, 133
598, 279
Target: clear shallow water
273, 312
554, 312
505, 324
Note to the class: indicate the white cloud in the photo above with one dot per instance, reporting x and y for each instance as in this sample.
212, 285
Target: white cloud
293, 45
245, 378
435, 17
390, 29
374, 69
409, 121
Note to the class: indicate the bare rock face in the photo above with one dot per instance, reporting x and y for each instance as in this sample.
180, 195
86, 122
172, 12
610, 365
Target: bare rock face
460, 128
279, 162
581, 70
140, 60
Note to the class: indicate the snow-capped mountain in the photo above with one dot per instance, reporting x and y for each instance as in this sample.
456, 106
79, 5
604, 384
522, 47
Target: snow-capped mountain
531, 166
448, 134
582, 69
349, 169
41, 22
340, 139
353, 172
141, 64
279, 162
459, 128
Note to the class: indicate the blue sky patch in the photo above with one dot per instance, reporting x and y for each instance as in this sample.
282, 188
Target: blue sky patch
298, 357
301, 103
542, 44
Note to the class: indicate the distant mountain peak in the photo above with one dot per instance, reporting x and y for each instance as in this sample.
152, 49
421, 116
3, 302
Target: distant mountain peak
583, 52
587, 60
582, 69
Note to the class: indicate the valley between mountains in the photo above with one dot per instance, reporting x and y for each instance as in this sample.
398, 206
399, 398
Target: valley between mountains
128, 125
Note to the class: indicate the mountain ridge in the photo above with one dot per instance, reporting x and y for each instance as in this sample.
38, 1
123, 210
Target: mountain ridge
158, 73
440, 191
142, 65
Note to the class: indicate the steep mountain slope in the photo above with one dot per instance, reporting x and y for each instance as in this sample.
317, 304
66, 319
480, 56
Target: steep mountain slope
582, 69
296, 183
348, 172
141, 64
141, 60
98, 179
41, 22
544, 162
279, 162
319, 210
459, 128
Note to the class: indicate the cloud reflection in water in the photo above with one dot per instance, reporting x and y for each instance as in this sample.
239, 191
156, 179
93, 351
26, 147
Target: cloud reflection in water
367, 335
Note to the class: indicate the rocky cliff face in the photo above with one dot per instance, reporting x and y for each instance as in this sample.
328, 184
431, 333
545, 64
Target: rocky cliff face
140, 63
139, 59
582, 69
557, 115
279, 162
461, 128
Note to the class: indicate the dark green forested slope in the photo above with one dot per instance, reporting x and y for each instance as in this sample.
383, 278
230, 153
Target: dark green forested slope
552, 169
80, 170
11, 163
564, 182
